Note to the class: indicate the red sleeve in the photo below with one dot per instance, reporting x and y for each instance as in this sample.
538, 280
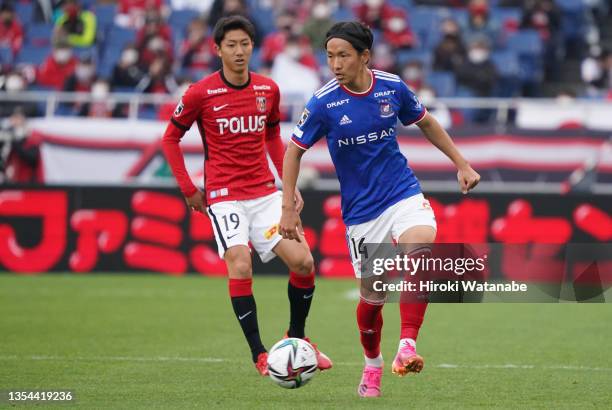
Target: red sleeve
274, 143
184, 115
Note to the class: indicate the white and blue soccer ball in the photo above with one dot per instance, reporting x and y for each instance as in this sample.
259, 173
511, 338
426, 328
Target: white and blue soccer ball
292, 362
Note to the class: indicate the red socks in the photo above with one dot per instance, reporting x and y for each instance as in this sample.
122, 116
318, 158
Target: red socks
240, 287
411, 315
370, 322
301, 281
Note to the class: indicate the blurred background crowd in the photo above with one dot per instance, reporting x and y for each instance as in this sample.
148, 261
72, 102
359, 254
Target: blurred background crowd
453, 48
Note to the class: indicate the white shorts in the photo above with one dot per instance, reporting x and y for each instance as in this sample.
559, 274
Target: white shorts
389, 226
255, 220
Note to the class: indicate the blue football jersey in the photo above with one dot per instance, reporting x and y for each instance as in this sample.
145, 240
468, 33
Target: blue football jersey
362, 140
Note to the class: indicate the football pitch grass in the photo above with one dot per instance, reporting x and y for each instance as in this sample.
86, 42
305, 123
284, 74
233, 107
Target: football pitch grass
151, 341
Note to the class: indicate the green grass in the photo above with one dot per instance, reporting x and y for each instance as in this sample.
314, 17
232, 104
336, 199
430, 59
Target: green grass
147, 341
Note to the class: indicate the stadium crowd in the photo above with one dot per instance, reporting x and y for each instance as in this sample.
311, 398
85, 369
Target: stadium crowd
464, 48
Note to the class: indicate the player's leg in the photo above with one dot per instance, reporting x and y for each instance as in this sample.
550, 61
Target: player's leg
231, 225
300, 290
264, 214
371, 301
415, 223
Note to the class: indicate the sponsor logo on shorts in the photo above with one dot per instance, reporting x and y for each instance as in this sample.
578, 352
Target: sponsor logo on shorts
426, 204
273, 230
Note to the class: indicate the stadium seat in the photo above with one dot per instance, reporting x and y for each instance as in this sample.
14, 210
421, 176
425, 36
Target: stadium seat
506, 62
525, 43
406, 56
105, 14
119, 37
107, 62
179, 20
343, 14
506, 16
25, 11
85, 52
6, 56
33, 55
264, 17
39, 34
442, 82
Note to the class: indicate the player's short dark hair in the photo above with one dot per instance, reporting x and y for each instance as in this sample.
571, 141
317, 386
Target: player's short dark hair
235, 22
358, 34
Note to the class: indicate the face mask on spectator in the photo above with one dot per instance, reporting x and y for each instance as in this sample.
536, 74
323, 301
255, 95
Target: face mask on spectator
156, 44
99, 90
84, 72
14, 83
293, 51
374, 3
397, 24
62, 55
411, 73
426, 96
321, 11
129, 56
478, 55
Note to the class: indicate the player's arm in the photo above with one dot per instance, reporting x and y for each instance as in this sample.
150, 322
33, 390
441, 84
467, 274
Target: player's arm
174, 155
276, 148
433, 131
290, 219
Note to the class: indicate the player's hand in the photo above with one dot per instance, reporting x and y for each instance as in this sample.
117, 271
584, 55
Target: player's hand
290, 225
468, 178
299, 201
196, 201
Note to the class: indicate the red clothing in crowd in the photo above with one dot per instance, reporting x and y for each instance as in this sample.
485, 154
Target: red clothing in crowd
52, 74
12, 36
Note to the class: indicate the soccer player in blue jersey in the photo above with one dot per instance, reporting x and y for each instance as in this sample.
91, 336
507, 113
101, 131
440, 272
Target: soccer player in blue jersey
381, 197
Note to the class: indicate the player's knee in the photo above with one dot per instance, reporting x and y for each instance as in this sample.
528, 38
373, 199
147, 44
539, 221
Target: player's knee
238, 266
303, 266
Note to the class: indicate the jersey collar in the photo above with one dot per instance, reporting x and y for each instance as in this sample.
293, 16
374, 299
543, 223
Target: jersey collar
234, 86
366, 92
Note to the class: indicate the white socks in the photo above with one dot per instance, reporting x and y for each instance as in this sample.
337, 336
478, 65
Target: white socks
407, 342
376, 362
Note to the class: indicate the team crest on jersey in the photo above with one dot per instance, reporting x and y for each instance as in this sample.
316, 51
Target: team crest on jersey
179, 108
261, 104
303, 118
386, 110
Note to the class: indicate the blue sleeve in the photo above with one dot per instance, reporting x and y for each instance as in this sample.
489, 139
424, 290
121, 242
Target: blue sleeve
412, 110
311, 127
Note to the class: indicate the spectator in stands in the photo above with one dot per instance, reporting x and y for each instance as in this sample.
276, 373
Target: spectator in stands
81, 81
127, 72
222, 8
596, 72
166, 110
45, 10
392, 21
450, 53
76, 25
197, 51
57, 67
480, 24
158, 79
318, 23
544, 16
14, 82
101, 106
154, 39
19, 156
413, 75
131, 13
383, 58
479, 75
276, 42
11, 31
292, 76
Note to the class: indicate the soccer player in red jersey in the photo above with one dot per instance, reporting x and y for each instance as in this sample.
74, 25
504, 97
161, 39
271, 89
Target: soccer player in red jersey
237, 114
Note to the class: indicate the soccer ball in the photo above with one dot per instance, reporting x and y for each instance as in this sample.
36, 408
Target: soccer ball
292, 362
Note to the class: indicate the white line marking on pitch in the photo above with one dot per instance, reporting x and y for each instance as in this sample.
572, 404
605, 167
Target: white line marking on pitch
223, 360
